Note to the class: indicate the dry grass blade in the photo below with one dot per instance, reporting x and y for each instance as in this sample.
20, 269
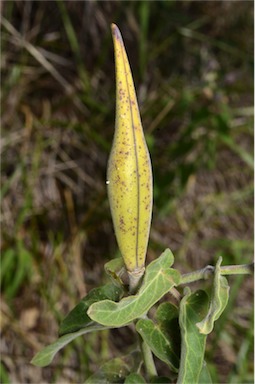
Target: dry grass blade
37, 54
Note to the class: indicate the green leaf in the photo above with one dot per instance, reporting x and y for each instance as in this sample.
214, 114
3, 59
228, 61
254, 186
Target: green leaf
161, 337
218, 302
46, 355
158, 280
193, 308
115, 268
134, 378
205, 377
115, 370
78, 317
167, 316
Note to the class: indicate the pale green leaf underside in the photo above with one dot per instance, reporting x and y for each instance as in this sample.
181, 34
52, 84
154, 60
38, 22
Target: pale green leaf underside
205, 377
193, 308
218, 302
46, 355
158, 280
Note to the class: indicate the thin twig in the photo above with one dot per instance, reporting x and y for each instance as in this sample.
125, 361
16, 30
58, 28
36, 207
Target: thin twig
203, 274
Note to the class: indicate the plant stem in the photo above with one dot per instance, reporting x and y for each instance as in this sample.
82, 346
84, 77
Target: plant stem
148, 359
203, 274
135, 279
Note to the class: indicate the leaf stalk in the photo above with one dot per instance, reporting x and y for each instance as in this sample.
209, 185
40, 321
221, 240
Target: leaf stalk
148, 359
205, 273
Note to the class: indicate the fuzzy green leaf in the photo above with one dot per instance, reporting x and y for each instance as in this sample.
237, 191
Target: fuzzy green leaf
218, 302
134, 378
115, 268
115, 370
161, 337
78, 318
193, 308
205, 377
158, 280
46, 355
167, 317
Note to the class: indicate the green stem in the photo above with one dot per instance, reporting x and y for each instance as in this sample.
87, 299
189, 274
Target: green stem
135, 279
148, 359
203, 274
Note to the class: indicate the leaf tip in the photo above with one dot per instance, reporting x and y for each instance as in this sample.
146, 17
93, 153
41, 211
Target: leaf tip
37, 361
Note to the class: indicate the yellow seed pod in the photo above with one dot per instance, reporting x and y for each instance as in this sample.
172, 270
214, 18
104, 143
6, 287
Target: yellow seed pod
129, 174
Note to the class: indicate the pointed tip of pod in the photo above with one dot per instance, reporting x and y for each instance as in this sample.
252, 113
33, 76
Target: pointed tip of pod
116, 32
114, 28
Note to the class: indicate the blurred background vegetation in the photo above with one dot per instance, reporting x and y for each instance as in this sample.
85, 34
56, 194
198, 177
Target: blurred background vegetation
192, 64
